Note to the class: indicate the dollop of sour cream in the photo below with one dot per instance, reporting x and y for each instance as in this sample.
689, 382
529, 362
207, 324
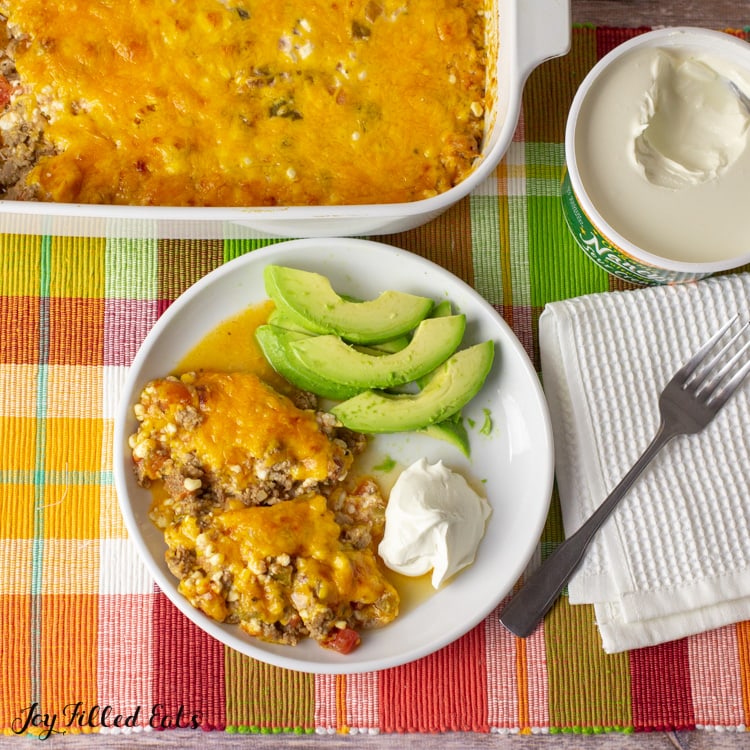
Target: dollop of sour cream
692, 125
433, 521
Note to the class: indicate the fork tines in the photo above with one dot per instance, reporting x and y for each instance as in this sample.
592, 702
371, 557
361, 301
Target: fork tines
701, 374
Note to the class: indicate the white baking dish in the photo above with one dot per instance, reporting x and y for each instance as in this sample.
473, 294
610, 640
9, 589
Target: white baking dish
521, 35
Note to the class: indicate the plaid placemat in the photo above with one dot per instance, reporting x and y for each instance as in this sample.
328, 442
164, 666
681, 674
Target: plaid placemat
86, 638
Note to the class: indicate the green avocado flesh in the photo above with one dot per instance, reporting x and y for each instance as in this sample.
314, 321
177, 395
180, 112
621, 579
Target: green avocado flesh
309, 300
434, 340
452, 431
278, 318
454, 384
275, 343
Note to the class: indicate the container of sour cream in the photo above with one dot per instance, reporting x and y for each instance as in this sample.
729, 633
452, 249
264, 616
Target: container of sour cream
657, 150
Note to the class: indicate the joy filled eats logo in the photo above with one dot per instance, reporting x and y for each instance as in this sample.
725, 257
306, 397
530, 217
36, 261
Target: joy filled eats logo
33, 720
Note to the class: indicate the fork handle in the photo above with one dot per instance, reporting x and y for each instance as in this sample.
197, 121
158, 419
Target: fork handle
539, 592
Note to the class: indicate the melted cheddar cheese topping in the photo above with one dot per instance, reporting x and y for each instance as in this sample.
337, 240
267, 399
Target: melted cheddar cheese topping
234, 427
248, 102
279, 563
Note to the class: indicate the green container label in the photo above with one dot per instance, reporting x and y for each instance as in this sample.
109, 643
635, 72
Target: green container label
610, 257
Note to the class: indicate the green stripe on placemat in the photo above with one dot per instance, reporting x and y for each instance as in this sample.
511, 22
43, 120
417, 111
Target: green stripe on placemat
130, 269
266, 699
234, 248
589, 691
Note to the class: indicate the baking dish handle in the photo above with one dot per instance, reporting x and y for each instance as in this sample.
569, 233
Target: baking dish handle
544, 29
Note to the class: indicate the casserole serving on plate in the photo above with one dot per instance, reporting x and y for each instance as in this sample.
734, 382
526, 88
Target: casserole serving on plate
216, 119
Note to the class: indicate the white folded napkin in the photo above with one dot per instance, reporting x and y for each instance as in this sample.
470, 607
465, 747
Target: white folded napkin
674, 559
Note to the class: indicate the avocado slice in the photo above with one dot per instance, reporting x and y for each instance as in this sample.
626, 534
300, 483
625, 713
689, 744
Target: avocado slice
277, 318
434, 340
309, 299
452, 431
442, 308
454, 383
280, 320
275, 343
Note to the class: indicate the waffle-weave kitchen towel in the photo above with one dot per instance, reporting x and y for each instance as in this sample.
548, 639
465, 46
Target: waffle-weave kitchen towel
674, 559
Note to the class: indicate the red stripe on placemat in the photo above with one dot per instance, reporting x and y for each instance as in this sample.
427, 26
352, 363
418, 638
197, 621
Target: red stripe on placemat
660, 687
189, 688
607, 38
161, 305
444, 692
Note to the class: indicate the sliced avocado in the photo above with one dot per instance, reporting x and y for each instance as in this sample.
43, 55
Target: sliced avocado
454, 384
281, 320
442, 308
451, 430
275, 343
278, 318
433, 342
385, 347
309, 299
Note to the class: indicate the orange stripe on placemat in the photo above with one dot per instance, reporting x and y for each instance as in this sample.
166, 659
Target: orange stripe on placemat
76, 331
522, 677
68, 646
19, 344
743, 652
446, 691
15, 659
341, 724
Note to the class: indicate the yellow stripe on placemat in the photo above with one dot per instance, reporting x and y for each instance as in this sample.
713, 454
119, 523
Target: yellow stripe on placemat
77, 267
21, 265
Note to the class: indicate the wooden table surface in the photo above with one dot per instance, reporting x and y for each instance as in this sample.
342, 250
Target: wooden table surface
709, 13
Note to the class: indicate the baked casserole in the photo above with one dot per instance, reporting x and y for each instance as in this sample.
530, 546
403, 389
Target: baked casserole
240, 102
264, 526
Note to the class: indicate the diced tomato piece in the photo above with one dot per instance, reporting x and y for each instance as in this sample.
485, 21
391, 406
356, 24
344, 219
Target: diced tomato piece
6, 89
344, 641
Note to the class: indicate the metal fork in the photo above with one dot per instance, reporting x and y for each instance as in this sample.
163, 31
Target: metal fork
690, 400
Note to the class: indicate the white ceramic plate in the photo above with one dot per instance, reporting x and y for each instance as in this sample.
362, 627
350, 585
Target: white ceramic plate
513, 464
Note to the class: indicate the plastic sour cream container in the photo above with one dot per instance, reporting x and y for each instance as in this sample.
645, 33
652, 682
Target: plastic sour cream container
657, 149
